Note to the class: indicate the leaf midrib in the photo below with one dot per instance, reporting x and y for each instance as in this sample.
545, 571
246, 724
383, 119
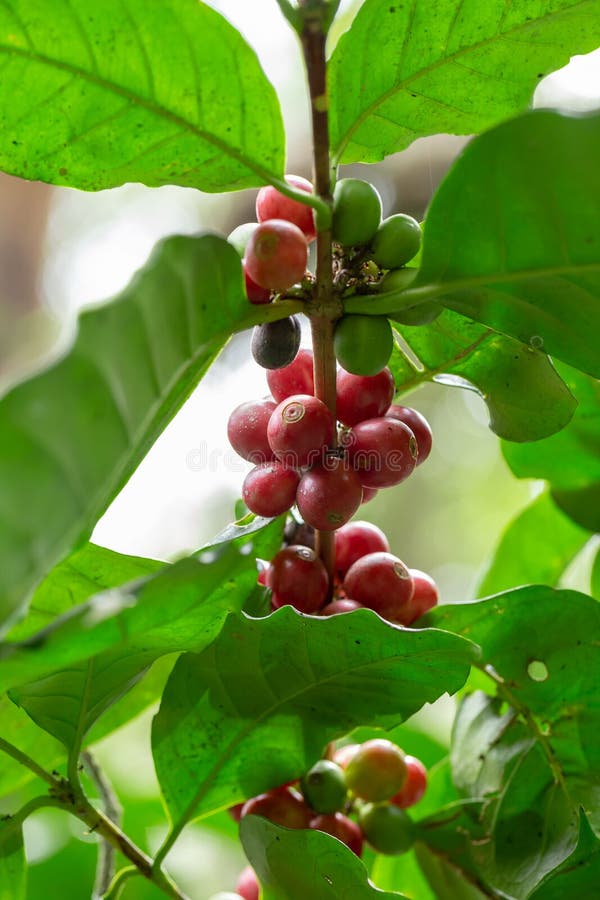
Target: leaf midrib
144, 102
402, 85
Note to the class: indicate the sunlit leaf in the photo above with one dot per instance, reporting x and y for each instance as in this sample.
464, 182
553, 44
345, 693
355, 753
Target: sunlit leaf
98, 92
409, 69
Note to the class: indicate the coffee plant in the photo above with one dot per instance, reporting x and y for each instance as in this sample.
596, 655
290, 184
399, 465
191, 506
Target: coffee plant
299, 624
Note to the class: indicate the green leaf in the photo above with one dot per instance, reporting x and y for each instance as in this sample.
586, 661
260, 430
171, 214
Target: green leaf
579, 874
133, 364
405, 70
525, 397
535, 760
448, 882
536, 548
513, 235
257, 707
595, 578
97, 93
569, 461
401, 873
302, 863
13, 870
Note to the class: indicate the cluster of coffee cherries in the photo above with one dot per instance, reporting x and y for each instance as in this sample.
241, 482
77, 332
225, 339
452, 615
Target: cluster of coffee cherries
358, 795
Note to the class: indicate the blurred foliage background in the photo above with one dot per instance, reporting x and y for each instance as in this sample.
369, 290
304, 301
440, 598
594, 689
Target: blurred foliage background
60, 250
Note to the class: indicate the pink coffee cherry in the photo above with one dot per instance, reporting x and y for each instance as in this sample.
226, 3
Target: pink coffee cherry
254, 292
297, 378
298, 578
271, 204
341, 827
357, 539
361, 397
282, 807
300, 429
419, 426
382, 582
342, 605
425, 596
247, 885
415, 785
247, 430
383, 451
269, 489
329, 495
276, 255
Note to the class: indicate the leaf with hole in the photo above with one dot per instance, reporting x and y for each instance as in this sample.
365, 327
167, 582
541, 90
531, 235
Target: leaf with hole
454, 67
216, 742
133, 364
296, 864
97, 93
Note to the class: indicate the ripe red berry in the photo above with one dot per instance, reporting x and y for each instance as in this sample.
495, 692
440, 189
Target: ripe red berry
329, 495
271, 204
276, 255
377, 770
369, 493
247, 430
340, 606
357, 539
383, 451
247, 885
282, 807
341, 827
425, 596
297, 378
254, 292
270, 489
382, 582
298, 577
300, 429
419, 426
361, 397
415, 785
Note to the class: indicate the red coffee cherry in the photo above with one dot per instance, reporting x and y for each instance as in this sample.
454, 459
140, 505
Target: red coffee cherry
341, 827
271, 204
300, 429
342, 605
298, 578
247, 884
343, 755
236, 811
247, 430
297, 378
383, 451
425, 596
240, 236
377, 770
329, 495
415, 785
361, 397
276, 255
280, 806
270, 489
419, 426
382, 582
357, 539
254, 292
369, 493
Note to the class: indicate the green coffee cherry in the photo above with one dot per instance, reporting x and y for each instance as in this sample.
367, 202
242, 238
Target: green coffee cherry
400, 280
356, 212
363, 344
377, 770
240, 236
387, 828
324, 787
397, 240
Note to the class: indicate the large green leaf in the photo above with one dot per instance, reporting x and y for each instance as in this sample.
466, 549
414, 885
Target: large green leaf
409, 69
66, 703
570, 460
257, 707
532, 754
301, 863
536, 548
73, 435
100, 92
13, 871
525, 397
579, 875
513, 235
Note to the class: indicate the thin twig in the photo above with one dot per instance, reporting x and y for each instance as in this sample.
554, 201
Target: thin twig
112, 808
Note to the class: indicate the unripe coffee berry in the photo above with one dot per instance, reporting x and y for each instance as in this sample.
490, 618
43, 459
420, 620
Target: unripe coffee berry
396, 242
387, 828
356, 212
377, 770
324, 787
363, 344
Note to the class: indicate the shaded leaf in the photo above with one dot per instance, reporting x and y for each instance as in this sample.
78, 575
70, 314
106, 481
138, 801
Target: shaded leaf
13, 870
579, 874
595, 579
519, 248
98, 93
569, 461
257, 707
401, 873
535, 548
133, 364
448, 882
456, 66
297, 864
526, 398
